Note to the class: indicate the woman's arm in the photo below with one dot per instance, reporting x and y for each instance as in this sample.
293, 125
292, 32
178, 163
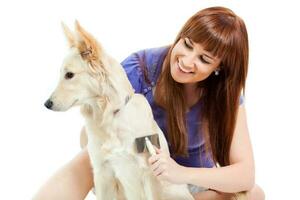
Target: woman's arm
239, 175
72, 182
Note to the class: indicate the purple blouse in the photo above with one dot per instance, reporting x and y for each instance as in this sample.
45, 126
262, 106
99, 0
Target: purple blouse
153, 60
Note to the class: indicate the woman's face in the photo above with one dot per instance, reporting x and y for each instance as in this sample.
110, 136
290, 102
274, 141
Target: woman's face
190, 63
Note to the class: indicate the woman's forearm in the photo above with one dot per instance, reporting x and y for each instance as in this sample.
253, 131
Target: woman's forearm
230, 179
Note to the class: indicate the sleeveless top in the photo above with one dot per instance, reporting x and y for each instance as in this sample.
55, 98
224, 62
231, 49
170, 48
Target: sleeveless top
153, 59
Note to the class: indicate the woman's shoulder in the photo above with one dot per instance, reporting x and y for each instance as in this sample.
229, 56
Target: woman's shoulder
142, 65
147, 55
152, 54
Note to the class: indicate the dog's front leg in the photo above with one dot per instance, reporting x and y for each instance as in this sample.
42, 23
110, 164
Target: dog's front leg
152, 187
176, 192
104, 187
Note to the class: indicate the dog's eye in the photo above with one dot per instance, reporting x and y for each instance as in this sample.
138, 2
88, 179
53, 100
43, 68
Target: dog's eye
69, 75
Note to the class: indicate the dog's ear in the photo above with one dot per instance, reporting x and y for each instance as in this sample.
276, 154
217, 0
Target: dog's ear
69, 35
87, 45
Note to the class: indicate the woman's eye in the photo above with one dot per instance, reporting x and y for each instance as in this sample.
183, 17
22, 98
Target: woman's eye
187, 44
69, 75
203, 60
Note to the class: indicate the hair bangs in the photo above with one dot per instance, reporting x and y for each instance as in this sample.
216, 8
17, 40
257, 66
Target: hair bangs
213, 33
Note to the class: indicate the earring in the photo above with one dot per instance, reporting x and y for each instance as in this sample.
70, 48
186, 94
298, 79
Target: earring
217, 72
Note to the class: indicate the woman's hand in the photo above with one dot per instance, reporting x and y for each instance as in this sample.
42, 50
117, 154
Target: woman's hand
165, 168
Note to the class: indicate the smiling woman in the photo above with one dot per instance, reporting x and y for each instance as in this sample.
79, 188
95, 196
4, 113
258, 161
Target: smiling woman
189, 58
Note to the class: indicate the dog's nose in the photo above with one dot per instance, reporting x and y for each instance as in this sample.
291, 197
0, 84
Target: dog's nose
48, 104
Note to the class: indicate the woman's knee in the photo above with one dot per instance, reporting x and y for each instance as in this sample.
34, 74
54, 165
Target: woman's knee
73, 181
81, 166
256, 193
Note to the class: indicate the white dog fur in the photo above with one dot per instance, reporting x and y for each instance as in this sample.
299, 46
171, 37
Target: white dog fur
114, 117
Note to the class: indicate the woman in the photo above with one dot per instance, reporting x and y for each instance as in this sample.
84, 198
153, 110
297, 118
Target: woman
194, 88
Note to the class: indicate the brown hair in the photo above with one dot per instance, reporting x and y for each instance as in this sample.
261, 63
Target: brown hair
224, 35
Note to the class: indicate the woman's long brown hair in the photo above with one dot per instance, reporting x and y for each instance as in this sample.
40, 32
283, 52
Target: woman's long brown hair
224, 35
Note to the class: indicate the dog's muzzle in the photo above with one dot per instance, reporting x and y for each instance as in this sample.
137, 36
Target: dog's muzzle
48, 104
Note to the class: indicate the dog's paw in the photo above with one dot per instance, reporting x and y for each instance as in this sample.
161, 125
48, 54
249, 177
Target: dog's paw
239, 196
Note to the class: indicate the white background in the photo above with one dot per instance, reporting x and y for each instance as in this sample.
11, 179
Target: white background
35, 142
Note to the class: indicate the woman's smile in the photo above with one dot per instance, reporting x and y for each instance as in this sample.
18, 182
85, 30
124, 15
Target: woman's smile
181, 69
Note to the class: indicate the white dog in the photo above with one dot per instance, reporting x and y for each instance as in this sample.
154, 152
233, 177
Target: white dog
114, 116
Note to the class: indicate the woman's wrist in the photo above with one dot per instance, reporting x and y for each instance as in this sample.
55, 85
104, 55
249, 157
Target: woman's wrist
187, 175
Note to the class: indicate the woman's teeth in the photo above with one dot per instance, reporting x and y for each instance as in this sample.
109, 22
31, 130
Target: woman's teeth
182, 69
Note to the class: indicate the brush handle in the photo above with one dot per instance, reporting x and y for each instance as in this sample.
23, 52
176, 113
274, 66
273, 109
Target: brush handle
150, 147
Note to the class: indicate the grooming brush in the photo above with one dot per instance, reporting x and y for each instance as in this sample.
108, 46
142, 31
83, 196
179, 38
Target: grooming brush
147, 142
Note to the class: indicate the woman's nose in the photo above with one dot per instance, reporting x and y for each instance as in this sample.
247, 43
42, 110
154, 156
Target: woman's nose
188, 61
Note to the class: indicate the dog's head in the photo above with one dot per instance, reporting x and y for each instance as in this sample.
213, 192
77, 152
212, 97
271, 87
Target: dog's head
83, 72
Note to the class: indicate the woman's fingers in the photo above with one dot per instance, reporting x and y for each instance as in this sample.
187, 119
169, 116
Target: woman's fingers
157, 150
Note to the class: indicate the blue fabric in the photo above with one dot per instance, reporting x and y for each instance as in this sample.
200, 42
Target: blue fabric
153, 60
